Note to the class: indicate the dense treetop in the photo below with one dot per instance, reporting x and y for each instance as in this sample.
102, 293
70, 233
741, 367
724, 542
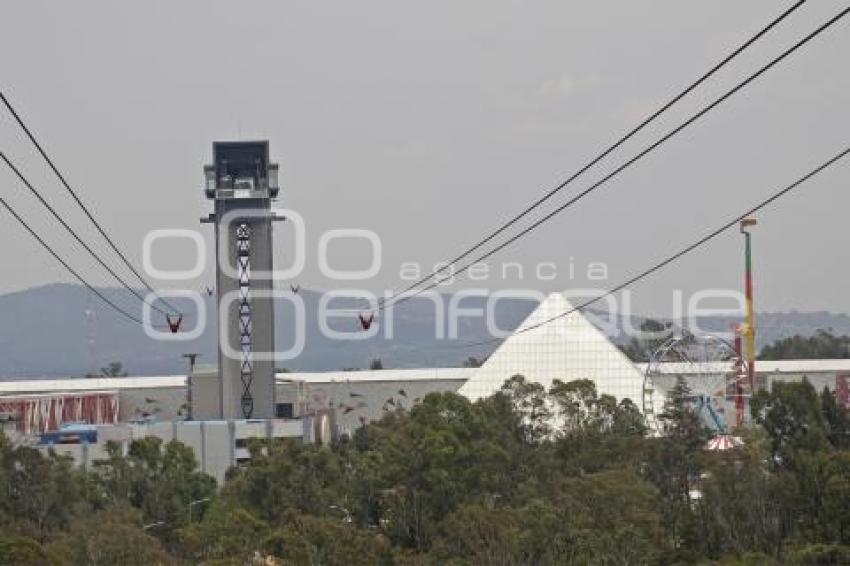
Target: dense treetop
526, 476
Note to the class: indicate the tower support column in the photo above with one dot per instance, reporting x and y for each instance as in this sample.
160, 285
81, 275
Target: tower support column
242, 184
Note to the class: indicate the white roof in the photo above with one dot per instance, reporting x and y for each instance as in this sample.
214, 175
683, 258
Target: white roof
89, 384
54, 394
419, 374
567, 348
765, 366
802, 366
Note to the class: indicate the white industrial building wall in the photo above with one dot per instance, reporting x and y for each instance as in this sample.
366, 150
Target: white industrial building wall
357, 400
161, 403
217, 445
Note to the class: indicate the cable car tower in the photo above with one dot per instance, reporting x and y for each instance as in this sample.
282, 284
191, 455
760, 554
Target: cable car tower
242, 182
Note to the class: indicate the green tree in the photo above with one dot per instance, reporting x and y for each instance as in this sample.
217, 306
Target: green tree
24, 551
836, 420
579, 407
530, 400
820, 555
674, 465
680, 419
484, 534
323, 540
821, 345
608, 517
287, 476
40, 492
159, 479
791, 415
444, 451
742, 503
227, 532
113, 535
525, 476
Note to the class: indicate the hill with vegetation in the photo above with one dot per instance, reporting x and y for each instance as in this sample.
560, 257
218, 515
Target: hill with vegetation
44, 332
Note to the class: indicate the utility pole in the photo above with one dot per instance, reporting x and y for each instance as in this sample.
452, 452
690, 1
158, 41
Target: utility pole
91, 335
750, 325
191, 358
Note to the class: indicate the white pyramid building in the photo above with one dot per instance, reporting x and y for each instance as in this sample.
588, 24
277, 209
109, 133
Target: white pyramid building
567, 348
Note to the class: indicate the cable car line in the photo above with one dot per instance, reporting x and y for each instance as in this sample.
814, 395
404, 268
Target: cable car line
76, 236
634, 159
651, 118
71, 270
684, 251
79, 201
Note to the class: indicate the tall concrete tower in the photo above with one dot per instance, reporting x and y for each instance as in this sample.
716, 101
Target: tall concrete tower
242, 183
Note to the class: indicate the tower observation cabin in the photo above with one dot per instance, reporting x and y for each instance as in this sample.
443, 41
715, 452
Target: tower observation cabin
241, 170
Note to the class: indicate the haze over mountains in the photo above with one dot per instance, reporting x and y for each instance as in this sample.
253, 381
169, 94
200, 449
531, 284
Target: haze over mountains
44, 333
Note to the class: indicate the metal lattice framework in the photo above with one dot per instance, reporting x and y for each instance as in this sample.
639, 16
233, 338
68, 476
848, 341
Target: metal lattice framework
243, 271
710, 366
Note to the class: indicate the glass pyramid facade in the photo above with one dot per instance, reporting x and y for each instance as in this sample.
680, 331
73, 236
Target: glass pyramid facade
568, 348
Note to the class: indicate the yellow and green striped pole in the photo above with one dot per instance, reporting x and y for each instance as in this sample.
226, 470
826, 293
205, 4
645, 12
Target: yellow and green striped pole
750, 326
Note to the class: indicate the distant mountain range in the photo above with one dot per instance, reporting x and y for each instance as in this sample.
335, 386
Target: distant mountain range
44, 332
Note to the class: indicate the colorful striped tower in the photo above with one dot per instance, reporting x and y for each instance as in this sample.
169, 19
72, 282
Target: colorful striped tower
740, 374
750, 326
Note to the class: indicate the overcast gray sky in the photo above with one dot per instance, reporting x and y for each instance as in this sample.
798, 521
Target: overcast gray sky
431, 122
